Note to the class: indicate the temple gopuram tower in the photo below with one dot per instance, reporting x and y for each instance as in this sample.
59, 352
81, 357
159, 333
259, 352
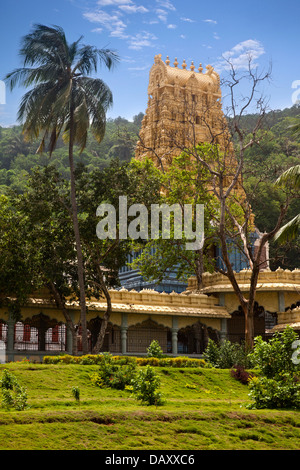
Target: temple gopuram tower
184, 109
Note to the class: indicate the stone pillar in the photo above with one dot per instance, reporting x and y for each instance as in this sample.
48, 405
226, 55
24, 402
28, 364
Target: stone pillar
223, 331
281, 301
174, 335
69, 340
124, 328
10, 339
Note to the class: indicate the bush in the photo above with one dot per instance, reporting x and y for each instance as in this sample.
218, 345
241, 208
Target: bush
272, 393
113, 375
91, 359
274, 357
239, 373
13, 394
279, 386
145, 385
154, 350
226, 354
76, 393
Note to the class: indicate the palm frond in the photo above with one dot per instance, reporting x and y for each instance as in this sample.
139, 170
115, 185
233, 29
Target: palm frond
290, 177
289, 231
59, 73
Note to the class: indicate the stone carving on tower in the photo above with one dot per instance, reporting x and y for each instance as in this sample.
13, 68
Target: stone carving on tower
184, 109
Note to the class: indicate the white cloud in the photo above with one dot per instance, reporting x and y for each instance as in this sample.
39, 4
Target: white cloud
166, 4
140, 40
172, 26
188, 20
210, 21
162, 15
111, 22
240, 55
139, 69
105, 3
133, 9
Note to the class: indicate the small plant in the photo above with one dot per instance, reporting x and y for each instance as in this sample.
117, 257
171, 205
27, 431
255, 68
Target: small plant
154, 350
191, 386
145, 387
7, 380
239, 373
113, 375
13, 394
76, 393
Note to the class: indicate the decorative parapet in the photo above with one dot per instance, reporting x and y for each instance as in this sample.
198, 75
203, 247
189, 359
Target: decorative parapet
279, 280
150, 301
289, 318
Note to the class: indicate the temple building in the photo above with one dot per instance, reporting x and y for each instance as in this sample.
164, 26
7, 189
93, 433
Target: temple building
184, 109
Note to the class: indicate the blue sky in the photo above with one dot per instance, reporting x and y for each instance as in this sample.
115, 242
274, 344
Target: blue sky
139, 29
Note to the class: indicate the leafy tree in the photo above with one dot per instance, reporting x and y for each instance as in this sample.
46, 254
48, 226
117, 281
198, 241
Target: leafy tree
290, 230
64, 99
185, 182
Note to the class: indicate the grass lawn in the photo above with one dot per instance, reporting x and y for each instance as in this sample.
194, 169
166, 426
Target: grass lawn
205, 409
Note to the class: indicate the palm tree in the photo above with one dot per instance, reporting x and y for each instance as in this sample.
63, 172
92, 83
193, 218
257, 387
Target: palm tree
290, 230
65, 100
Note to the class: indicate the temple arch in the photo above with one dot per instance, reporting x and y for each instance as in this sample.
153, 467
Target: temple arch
140, 336
193, 339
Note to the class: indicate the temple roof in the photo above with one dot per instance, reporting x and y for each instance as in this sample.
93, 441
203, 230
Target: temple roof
279, 280
208, 81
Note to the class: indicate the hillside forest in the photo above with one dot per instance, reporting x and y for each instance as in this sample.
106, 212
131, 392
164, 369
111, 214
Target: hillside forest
277, 150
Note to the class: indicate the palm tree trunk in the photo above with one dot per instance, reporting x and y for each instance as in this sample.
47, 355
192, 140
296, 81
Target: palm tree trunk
80, 265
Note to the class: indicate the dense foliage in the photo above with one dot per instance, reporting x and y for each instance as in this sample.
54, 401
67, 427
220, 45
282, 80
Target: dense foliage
18, 157
278, 385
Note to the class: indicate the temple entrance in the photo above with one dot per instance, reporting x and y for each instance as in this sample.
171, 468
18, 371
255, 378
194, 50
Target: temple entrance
194, 339
112, 338
236, 324
140, 336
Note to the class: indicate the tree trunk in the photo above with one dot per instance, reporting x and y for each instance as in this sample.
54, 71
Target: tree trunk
80, 265
249, 327
61, 304
199, 269
106, 317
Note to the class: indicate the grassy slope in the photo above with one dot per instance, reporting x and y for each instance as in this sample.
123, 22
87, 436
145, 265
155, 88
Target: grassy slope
211, 416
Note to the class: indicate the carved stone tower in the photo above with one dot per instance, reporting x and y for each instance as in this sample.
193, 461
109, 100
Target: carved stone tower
184, 109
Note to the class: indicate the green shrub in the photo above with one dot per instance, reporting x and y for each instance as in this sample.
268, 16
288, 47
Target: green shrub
145, 387
91, 359
13, 394
76, 393
7, 380
278, 386
226, 354
113, 375
154, 350
274, 357
274, 393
